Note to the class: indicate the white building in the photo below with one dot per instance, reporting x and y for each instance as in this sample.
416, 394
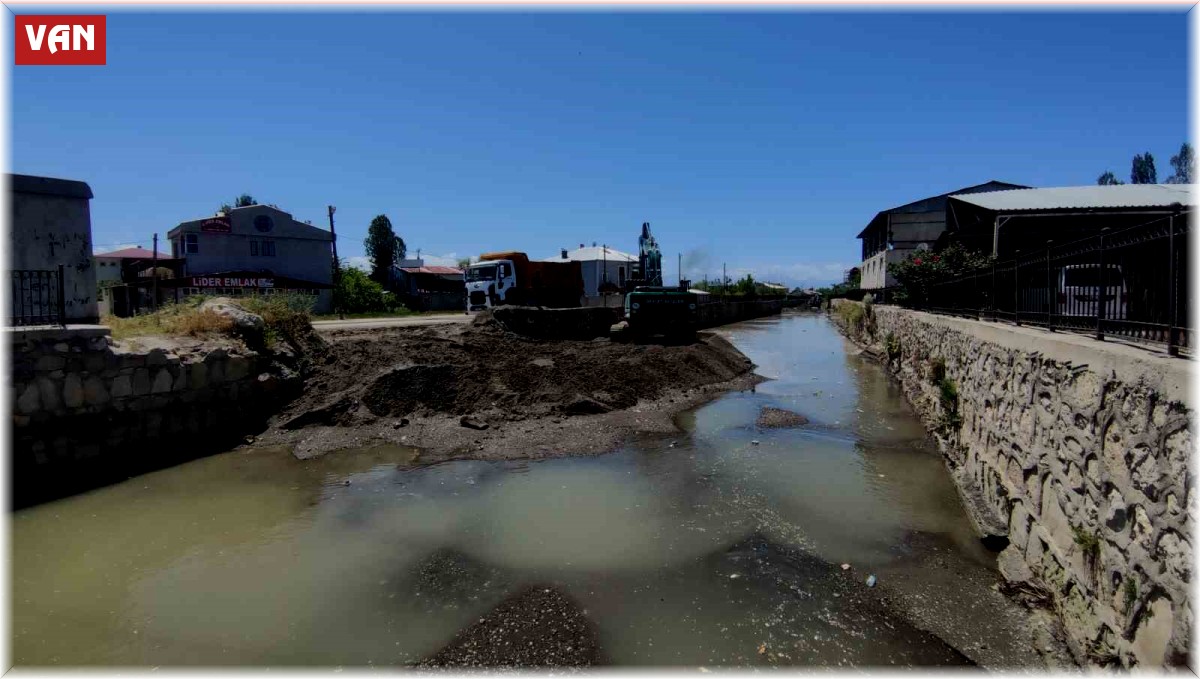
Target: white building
599, 264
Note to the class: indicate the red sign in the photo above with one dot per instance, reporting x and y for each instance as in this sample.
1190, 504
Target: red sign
216, 225
60, 40
231, 282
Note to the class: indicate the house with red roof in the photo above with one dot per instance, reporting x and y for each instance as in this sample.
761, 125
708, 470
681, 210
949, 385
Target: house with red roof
427, 287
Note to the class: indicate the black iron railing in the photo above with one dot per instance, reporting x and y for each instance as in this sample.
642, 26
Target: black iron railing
37, 298
1130, 283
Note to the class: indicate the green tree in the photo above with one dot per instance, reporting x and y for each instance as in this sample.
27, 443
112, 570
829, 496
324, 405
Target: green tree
1143, 171
244, 200
922, 269
464, 262
745, 286
1184, 165
384, 247
1108, 179
854, 277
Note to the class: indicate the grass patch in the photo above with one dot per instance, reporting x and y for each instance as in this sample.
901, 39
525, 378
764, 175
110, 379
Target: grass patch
852, 316
1089, 544
186, 318
1131, 593
892, 344
182, 319
286, 315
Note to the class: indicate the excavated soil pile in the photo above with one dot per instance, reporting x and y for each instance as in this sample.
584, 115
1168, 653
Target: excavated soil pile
482, 371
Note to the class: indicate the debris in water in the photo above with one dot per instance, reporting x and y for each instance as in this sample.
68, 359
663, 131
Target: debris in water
754, 442
871, 581
845, 566
762, 648
735, 576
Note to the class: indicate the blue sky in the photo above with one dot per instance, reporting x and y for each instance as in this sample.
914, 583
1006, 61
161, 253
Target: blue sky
761, 140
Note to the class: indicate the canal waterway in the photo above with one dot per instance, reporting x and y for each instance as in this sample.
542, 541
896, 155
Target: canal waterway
722, 545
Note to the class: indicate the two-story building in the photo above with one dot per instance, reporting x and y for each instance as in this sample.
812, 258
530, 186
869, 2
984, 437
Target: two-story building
894, 233
258, 249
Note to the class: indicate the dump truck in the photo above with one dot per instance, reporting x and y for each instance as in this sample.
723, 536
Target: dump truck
510, 278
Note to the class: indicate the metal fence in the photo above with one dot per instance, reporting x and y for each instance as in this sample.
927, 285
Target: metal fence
37, 297
1130, 283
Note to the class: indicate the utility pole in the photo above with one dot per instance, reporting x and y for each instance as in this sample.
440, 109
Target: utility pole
154, 270
337, 268
724, 280
679, 266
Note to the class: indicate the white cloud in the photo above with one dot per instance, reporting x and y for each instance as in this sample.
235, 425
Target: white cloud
449, 259
799, 274
360, 263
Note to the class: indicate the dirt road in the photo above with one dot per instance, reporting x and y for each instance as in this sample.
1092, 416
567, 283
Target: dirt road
400, 322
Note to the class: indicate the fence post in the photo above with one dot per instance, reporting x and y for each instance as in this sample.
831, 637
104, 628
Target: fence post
1100, 292
992, 297
1172, 298
1016, 288
62, 299
1050, 297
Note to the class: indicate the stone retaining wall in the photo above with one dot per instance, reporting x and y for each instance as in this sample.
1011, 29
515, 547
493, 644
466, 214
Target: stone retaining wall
1077, 451
76, 397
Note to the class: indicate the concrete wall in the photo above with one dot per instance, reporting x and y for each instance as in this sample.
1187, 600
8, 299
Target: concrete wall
52, 225
82, 404
713, 314
1078, 452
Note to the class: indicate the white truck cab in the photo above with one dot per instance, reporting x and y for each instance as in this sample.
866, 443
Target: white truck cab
488, 283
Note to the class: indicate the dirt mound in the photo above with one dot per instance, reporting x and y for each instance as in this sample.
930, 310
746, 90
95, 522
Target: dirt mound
539, 627
484, 371
777, 418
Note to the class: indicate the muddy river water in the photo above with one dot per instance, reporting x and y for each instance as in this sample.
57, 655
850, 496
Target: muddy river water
722, 545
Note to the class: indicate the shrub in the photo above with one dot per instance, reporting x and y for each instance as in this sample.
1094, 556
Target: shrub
892, 344
1089, 543
949, 400
921, 269
357, 293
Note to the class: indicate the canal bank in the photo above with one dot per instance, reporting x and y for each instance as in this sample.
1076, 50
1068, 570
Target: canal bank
1074, 453
721, 544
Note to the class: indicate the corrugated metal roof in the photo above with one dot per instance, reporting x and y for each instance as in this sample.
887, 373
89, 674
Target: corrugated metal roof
132, 253
1082, 197
594, 254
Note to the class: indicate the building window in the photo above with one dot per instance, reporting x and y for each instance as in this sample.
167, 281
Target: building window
192, 243
175, 248
264, 223
253, 248
268, 248
621, 276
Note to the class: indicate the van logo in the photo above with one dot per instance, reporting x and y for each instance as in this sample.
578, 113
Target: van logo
60, 40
